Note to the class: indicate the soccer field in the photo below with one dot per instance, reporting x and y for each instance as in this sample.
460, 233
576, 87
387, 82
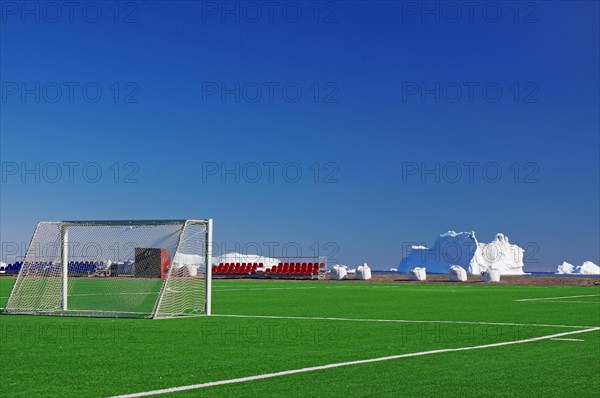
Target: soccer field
320, 339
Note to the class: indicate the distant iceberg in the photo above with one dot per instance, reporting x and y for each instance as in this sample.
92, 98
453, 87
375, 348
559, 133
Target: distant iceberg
587, 268
463, 250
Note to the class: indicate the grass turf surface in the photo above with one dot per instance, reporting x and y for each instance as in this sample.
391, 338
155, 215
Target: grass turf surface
63, 356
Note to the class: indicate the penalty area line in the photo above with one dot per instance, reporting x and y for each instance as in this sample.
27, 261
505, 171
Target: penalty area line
558, 298
557, 339
401, 321
350, 363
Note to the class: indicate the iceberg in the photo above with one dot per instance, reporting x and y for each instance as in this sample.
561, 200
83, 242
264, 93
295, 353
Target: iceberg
457, 274
338, 272
491, 276
462, 249
587, 268
363, 272
417, 274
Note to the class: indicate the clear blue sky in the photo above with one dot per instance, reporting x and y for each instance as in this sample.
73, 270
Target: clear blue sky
388, 90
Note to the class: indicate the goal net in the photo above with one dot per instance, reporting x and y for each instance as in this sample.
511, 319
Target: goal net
147, 269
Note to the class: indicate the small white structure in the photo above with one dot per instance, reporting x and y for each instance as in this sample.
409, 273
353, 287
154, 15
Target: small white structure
457, 274
338, 272
491, 276
417, 274
363, 272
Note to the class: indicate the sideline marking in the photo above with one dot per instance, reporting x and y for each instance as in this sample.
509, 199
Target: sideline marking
341, 364
401, 321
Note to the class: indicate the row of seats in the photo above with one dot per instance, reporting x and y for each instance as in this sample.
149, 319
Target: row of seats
236, 268
73, 266
296, 268
11, 268
83, 267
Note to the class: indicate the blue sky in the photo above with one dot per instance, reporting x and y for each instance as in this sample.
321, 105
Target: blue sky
404, 122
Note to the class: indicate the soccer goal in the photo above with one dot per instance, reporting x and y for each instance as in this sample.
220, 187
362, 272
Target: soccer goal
146, 269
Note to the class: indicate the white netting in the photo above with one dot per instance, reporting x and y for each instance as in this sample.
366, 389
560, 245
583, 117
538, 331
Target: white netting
184, 293
119, 268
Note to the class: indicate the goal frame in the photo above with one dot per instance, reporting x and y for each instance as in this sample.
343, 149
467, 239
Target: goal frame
64, 261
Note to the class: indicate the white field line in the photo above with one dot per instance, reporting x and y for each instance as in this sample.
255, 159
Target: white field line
558, 298
572, 301
568, 339
350, 363
401, 321
214, 290
264, 288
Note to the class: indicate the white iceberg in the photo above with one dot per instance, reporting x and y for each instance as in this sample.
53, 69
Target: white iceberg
363, 272
491, 276
463, 250
587, 268
417, 274
338, 272
457, 274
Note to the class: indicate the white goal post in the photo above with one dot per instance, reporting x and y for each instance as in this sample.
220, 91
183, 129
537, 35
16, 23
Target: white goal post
125, 268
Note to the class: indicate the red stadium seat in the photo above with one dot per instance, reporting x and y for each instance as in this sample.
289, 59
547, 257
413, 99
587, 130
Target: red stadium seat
214, 269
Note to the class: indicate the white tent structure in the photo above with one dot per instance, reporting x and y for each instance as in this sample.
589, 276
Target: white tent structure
187, 264
457, 274
268, 262
363, 272
338, 272
417, 274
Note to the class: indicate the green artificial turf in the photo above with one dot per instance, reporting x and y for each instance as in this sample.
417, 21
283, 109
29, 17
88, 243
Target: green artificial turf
72, 356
